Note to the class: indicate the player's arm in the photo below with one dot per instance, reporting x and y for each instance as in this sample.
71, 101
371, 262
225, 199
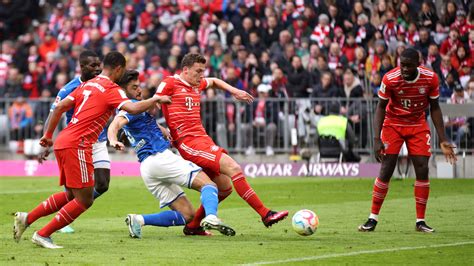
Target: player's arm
222, 85
142, 106
63, 106
378, 122
114, 127
437, 117
165, 132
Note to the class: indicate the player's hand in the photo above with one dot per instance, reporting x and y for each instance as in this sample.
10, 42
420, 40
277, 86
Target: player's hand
162, 99
379, 150
243, 96
448, 151
43, 155
117, 145
46, 142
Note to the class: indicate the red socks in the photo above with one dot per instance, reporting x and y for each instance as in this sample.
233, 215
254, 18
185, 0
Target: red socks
200, 213
65, 216
422, 192
246, 193
47, 207
378, 195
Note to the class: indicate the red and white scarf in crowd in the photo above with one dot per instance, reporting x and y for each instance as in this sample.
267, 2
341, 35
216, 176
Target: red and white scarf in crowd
412, 37
55, 22
361, 34
203, 36
319, 33
104, 26
126, 27
178, 36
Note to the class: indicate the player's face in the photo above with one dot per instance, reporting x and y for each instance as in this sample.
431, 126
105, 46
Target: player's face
408, 68
195, 74
91, 69
133, 90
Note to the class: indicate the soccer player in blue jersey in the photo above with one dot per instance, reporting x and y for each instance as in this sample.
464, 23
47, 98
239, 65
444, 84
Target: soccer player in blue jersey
162, 171
90, 68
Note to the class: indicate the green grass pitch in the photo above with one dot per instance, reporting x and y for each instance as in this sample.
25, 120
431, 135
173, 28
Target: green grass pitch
101, 235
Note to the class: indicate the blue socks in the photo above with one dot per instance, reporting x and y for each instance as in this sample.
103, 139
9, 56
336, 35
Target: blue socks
165, 218
209, 199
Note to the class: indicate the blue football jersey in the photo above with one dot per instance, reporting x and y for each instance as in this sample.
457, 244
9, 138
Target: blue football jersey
144, 135
63, 93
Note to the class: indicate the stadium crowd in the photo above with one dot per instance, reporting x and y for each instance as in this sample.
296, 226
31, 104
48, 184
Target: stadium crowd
296, 49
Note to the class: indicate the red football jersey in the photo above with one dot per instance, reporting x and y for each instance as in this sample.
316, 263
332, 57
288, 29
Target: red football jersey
408, 100
95, 101
183, 115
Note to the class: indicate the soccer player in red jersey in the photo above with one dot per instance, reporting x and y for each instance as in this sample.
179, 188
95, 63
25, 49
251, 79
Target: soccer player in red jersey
405, 94
93, 102
183, 117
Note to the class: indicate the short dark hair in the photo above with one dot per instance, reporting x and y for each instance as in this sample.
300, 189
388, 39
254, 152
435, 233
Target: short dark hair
85, 55
190, 59
411, 53
128, 76
114, 59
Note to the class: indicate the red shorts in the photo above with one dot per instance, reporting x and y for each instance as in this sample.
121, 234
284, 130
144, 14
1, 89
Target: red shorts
202, 151
417, 139
75, 167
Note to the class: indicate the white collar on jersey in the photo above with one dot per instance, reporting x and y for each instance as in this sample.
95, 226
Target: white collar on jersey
182, 80
103, 76
417, 76
80, 80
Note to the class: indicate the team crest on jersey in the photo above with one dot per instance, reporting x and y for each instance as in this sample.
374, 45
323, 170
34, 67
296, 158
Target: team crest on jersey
196, 90
401, 92
214, 148
422, 90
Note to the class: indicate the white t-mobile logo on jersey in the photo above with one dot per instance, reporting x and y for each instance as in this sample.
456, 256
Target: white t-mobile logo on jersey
190, 103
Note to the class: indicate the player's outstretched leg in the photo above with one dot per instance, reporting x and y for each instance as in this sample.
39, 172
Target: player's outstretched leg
231, 168
83, 199
421, 192
225, 189
379, 192
135, 222
209, 201
51, 205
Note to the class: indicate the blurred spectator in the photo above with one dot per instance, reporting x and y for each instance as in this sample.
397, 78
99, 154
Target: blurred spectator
424, 42
262, 117
325, 89
456, 127
20, 116
427, 17
298, 79
451, 44
13, 87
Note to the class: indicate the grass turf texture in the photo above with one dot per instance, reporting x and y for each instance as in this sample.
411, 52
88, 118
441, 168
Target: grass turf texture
342, 204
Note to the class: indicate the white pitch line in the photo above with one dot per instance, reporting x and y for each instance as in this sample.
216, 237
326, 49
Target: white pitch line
356, 253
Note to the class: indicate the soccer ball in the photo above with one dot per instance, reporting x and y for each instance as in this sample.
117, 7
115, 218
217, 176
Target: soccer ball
305, 222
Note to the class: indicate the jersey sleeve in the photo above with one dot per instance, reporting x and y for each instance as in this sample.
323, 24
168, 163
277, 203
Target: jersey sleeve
62, 94
384, 91
129, 117
434, 89
117, 98
165, 88
204, 84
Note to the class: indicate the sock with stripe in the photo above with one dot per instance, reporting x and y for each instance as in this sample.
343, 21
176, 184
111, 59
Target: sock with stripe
378, 196
200, 213
248, 194
65, 216
209, 199
422, 192
47, 207
165, 219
